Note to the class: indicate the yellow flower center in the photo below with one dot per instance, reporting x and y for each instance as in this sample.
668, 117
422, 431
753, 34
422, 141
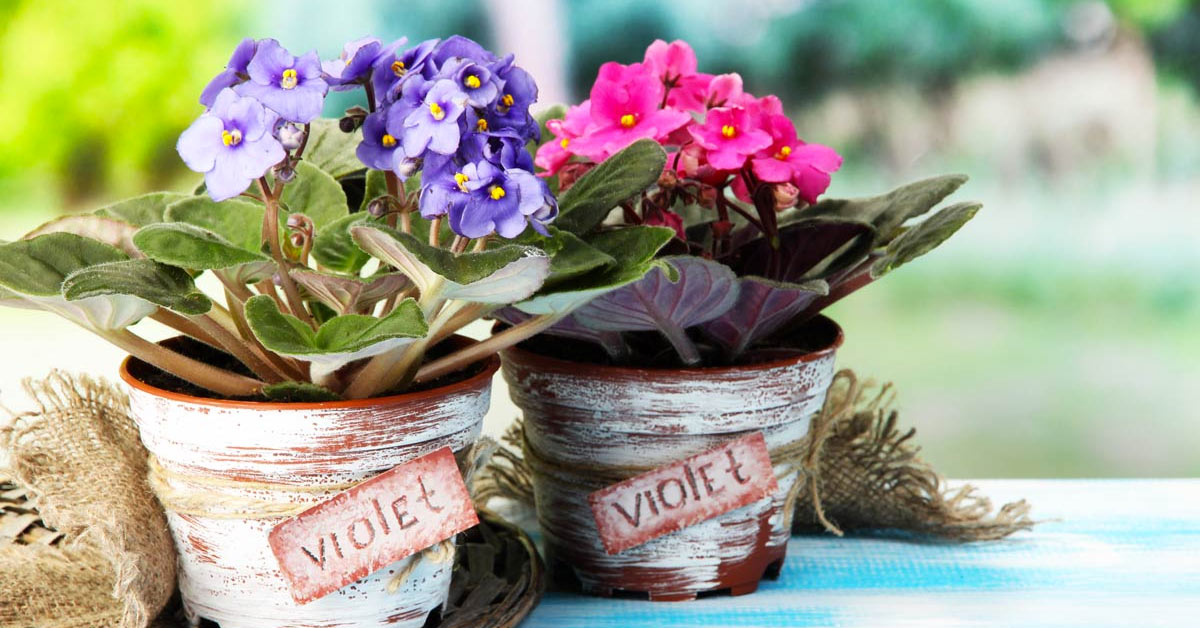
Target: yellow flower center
437, 111
231, 138
481, 124
497, 192
289, 79
728, 131
507, 100
461, 179
628, 120
472, 81
783, 153
398, 68
387, 140
564, 142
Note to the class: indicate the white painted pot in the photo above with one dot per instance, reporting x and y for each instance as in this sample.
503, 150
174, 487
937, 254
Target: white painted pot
248, 450
581, 414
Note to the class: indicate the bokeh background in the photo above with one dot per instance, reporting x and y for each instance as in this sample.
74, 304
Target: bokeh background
1056, 335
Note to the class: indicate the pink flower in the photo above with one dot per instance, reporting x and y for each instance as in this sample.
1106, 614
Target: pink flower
555, 153
730, 136
625, 101
672, 61
787, 159
724, 90
666, 218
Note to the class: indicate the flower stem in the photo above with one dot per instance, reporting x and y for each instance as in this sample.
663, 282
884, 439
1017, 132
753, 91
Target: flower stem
271, 233
204, 375
482, 349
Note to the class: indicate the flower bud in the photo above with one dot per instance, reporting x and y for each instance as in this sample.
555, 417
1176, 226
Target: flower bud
708, 197
407, 167
378, 207
285, 173
668, 179
299, 222
298, 240
348, 124
291, 135
786, 196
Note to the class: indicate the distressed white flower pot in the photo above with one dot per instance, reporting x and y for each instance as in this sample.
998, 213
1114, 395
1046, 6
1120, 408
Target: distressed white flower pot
258, 451
588, 414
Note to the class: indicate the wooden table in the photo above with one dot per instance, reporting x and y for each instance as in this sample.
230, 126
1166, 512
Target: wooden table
1109, 553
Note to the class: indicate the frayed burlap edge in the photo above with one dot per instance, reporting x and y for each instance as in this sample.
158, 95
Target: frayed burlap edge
80, 456
861, 473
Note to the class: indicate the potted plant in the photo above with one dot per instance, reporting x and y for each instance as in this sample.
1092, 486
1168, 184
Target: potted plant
336, 260
722, 338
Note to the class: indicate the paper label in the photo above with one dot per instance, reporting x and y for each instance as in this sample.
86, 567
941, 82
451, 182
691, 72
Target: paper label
374, 524
683, 493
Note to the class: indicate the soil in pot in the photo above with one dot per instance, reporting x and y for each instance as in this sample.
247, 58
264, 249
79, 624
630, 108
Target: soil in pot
583, 415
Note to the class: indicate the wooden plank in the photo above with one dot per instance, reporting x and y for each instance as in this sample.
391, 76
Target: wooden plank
1117, 553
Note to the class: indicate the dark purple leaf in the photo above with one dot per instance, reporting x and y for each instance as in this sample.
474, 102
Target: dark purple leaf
762, 307
809, 249
568, 328
703, 291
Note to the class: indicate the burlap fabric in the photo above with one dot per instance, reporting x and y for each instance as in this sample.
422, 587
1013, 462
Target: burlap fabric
79, 458
862, 473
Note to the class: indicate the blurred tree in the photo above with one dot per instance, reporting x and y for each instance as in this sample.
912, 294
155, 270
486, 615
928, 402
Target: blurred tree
95, 93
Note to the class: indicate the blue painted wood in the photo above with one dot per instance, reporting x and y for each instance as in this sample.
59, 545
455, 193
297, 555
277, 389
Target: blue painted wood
1109, 553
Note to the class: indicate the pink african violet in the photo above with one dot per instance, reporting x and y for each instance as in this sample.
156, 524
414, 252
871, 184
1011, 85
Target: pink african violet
730, 136
716, 130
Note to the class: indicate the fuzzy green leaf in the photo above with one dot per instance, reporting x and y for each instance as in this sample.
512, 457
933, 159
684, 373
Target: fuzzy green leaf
332, 150
569, 255
111, 231
188, 246
339, 340
924, 237
141, 210
336, 250
316, 194
421, 263
375, 186
626, 174
162, 285
37, 267
633, 250
886, 212
238, 221
299, 392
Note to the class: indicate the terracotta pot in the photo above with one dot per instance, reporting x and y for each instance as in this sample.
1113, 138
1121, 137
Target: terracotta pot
247, 450
587, 414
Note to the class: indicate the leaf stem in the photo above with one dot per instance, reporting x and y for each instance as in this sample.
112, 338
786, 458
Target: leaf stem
239, 350
182, 325
482, 349
204, 375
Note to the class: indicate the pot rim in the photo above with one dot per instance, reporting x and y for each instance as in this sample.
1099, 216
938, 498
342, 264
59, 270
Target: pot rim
529, 357
470, 383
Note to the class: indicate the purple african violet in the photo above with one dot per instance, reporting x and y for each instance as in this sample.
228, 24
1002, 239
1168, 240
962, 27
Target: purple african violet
231, 144
233, 74
434, 126
291, 86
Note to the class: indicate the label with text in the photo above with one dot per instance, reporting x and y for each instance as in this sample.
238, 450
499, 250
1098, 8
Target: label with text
372, 525
683, 493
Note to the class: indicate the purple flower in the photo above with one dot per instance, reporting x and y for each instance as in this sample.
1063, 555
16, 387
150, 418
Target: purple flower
234, 72
292, 86
483, 198
475, 81
459, 47
393, 68
511, 108
504, 147
434, 126
231, 144
379, 142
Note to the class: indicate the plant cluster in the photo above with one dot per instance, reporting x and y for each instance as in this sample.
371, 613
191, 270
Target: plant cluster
754, 253
341, 252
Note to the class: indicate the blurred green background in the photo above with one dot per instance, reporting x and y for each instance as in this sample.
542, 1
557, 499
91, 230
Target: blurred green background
1056, 335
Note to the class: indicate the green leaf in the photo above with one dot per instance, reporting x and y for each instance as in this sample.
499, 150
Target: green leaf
624, 175
299, 392
141, 210
315, 194
37, 267
632, 248
335, 249
886, 212
422, 263
339, 340
162, 285
924, 237
332, 150
188, 246
569, 255
375, 186
239, 221
111, 231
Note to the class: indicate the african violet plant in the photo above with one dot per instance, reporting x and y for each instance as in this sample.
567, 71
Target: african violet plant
754, 253
342, 251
